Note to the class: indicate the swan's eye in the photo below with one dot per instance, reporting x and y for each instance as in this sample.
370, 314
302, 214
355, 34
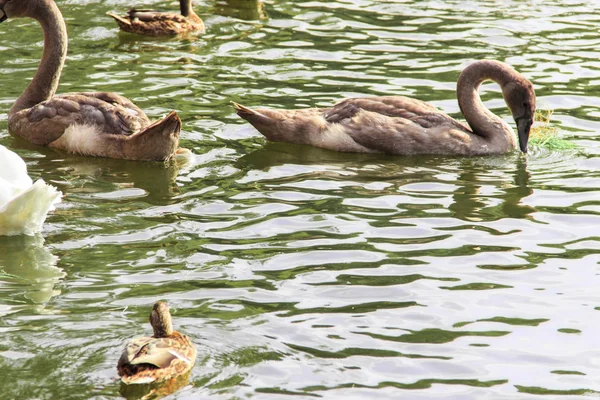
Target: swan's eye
525, 104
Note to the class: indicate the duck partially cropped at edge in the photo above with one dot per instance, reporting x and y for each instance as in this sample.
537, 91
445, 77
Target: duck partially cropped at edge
167, 354
93, 124
403, 126
156, 23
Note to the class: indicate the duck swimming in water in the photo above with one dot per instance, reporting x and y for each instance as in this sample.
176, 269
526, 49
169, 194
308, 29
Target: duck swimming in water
156, 23
165, 355
403, 126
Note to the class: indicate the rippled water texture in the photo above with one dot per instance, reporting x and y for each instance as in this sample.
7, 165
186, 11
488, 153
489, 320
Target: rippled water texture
299, 271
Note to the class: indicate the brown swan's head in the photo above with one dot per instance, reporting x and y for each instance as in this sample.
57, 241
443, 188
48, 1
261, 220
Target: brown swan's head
160, 319
520, 98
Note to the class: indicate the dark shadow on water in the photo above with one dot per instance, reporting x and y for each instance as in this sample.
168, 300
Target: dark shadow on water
157, 179
275, 153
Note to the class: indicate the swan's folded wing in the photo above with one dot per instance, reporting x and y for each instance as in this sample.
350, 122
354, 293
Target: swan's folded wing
391, 106
47, 121
114, 99
419, 134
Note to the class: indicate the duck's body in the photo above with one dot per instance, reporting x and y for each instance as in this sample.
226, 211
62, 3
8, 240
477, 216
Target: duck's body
167, 354
155, 23
24, 205
93, 124
403, 126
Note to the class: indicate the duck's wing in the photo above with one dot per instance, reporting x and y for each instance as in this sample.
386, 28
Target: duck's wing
132, 12
159, 352
153, 16
148, 358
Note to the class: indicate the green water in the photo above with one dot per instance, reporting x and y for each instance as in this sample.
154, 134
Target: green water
301, 273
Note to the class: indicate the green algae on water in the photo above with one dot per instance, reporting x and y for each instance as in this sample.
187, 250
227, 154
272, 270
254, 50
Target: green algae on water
543, 134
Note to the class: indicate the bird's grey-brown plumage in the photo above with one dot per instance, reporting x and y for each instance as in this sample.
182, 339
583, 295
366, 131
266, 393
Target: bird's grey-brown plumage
97, 124
114, 113
404, 126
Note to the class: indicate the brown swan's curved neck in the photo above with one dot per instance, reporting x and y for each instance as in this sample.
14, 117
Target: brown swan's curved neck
185, 7
482, 121
45, 82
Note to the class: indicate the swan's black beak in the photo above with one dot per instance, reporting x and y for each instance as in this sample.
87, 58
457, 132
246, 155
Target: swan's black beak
523, 129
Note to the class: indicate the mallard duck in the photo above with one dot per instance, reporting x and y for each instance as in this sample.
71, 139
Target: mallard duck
24, 205
93, 124
404, 126
165, 355
155, 23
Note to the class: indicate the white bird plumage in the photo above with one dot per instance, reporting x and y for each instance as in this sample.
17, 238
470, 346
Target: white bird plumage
24, 205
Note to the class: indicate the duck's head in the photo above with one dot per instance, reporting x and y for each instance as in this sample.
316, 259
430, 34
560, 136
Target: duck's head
520, 98
160, 319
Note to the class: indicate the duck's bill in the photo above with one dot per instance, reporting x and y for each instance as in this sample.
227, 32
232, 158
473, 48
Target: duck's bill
523, 129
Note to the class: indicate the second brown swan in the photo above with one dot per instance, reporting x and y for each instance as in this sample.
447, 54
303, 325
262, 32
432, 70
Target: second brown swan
404, 126
93, 124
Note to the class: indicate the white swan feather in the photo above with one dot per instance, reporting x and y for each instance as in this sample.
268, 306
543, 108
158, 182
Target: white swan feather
24, 205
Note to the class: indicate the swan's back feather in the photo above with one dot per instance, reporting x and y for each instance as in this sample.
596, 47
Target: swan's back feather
110, 113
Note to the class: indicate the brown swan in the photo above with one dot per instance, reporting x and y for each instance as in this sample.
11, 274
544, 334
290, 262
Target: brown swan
155, 23
404, 126
93, 124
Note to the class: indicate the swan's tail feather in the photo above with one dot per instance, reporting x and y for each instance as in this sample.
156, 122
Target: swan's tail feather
251, 115
169, 125
267, 122
157, 142
302, 126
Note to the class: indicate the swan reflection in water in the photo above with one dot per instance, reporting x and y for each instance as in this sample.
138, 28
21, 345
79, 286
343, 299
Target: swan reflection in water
28, 269
508, 174
158, 181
